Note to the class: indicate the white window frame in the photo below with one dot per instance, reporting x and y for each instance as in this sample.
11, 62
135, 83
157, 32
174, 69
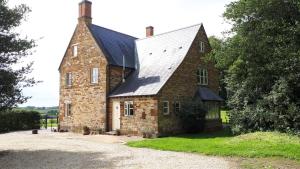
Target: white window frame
166, 106
68, 109
202, 76
75, 50
128, 108
94, 75
68, 79
201, 47
177, 106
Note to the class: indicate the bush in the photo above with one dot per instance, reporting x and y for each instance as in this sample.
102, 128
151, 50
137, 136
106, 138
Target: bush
192, 116
19, 120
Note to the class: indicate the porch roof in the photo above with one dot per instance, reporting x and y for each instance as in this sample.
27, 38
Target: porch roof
207, 94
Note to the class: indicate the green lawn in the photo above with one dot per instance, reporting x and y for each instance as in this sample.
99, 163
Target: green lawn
224, 116
259, 144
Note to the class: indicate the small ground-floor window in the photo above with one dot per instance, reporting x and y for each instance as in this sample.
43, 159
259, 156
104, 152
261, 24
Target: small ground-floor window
213, 110
177, 106
128, 108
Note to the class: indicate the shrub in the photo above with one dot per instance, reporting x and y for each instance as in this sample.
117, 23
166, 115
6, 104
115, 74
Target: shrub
86, 130
19, 120
192, 116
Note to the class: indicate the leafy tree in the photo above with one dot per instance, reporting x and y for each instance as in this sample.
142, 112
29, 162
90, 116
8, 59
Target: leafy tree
12, 49
52, 113
192, 115
217, 57
262, 61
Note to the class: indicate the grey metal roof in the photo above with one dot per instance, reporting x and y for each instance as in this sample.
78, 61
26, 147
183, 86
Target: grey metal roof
206, 94
157, 58
115, 45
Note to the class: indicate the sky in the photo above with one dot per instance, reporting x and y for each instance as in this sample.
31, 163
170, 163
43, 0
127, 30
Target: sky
52, 22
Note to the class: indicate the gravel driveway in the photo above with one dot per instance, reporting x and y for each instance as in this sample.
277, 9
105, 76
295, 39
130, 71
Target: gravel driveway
22, 150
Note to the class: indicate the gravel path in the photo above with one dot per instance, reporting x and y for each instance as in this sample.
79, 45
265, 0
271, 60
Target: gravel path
22, 150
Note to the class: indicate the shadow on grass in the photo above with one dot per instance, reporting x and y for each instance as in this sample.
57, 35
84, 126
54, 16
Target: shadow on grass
24, 159
204, 135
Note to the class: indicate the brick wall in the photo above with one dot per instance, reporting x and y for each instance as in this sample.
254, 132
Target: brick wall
88, 101
183, 84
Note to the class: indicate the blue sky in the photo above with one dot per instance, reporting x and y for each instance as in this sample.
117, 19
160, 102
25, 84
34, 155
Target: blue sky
52, 23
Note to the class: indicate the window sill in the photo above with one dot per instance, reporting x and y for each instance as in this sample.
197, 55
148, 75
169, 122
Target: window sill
202, 84
94, 84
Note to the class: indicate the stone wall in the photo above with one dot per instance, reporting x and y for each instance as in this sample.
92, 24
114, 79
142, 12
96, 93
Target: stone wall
144, 119
183, 84
88, 101
115, 76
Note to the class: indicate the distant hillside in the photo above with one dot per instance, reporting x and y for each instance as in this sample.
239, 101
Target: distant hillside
43, 110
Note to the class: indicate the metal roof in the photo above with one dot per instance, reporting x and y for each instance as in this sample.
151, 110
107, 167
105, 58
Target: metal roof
206, 94
115, 45
157, 58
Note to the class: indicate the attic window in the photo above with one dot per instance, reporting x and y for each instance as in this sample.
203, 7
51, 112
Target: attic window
74, 50
201, 47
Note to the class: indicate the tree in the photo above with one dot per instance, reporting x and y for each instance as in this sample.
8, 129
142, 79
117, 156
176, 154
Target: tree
216, 56
263, 65
12, 49
192, 115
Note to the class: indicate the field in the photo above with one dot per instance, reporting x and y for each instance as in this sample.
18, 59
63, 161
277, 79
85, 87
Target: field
41, 110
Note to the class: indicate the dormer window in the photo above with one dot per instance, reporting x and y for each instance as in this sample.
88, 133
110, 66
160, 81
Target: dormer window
202, 76
74, 50
201, 47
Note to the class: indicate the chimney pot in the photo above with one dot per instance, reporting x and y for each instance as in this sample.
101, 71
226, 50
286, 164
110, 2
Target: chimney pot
85, 11
149, 31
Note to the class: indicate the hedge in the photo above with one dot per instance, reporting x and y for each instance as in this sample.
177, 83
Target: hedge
19, 120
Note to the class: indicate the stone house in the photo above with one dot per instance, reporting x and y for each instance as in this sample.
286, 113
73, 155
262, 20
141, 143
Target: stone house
112, 81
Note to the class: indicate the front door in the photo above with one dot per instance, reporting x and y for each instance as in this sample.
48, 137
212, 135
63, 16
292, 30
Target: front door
116, 115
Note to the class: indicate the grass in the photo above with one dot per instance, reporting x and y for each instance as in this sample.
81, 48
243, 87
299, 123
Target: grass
54, 123
224, 116
259, 144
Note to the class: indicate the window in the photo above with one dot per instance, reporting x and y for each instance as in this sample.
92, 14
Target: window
202, 76
68, 109
166, 108
201, 47
69, 79
74, 50
213, 110
177, 106
94, 75
128, 108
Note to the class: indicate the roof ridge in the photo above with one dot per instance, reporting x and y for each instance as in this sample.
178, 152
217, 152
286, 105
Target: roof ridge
115, 31
169, 32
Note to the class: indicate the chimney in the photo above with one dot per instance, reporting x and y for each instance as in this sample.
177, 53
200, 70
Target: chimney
85, 11
149, 31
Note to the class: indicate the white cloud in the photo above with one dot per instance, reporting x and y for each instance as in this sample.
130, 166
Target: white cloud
54, 21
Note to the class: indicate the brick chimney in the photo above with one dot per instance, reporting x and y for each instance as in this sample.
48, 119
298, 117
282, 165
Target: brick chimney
85, 12
149, 31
